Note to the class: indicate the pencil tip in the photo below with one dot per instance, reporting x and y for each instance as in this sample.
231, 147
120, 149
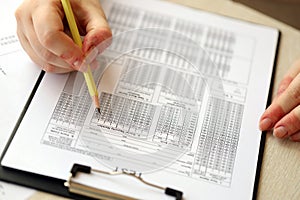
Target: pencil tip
98, 110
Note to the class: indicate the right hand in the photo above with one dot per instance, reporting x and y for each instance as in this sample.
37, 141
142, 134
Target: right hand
40, 28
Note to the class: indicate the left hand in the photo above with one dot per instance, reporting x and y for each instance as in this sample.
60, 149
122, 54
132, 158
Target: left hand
283, 115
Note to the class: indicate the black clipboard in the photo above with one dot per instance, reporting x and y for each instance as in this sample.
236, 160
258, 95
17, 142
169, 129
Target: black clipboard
57, 186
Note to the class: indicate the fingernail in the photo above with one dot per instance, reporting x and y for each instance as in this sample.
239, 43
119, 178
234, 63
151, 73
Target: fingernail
265, 124
77, 64
280, 131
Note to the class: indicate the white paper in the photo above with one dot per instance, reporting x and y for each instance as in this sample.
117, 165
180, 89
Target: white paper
18, 74
219, 128
17, 78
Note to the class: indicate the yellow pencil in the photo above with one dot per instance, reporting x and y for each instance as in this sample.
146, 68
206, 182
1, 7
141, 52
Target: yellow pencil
76, 37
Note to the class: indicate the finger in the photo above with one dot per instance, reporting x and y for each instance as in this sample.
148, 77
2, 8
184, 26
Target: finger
27, 47
288, 125
91, 56
52, 36
36, 59
22, 22
284, 84
42, 52
46, 55
288, 78
295, 137
282, 105
92, 17
54, 69
103, 45
95, 37
295, 69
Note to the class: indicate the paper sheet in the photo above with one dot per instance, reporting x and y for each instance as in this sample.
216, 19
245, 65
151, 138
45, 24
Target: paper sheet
211, 137
17, 79
17, 76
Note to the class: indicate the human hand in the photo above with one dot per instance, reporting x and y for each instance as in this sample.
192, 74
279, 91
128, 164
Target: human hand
283, 115
40, 28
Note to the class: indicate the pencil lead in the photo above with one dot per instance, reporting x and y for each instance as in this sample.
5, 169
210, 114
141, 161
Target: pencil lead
99, 110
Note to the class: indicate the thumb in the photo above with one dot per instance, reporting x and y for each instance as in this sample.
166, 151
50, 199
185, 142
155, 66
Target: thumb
97, 28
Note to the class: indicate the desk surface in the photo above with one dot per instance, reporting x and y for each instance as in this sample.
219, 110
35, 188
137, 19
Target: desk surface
279, 178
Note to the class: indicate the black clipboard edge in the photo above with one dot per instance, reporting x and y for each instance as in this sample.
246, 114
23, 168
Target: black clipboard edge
22, 115
27, 179
264, 133
39, 182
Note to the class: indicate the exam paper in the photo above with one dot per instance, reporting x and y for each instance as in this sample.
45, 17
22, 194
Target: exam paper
160, 116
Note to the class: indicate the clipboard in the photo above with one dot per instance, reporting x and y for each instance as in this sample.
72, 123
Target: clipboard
62, 187
57, 186
79, 188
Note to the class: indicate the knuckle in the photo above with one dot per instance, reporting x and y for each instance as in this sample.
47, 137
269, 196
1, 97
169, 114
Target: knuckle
294, 94
292, 118
284, 84
292, 121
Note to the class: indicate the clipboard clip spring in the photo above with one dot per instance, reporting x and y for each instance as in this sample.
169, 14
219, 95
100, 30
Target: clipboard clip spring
86, 169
